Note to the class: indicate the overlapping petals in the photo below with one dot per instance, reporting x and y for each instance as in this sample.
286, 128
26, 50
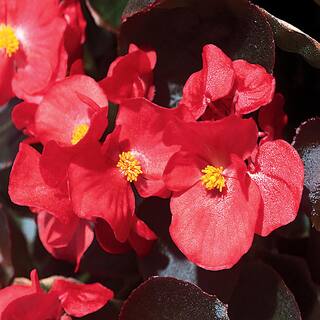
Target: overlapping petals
227, 181
225, 87
65, 296
131, 76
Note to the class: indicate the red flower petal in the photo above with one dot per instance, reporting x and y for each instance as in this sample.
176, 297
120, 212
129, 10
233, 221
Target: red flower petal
279, 176
141, 238
37, 306
76, 25
272, 119
254, 87
142, 125
214, 230
77, 100
66, 241
99, 190
183, 171
130, 76
9, 294
213, 82
107, 240
27, 186
6, 74
79, 299
151, 188
214, 139
54, 163
23, 116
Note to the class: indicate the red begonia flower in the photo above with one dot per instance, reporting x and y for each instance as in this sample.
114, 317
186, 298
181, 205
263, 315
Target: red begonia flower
100, 180
65, 241
226, 87
79, 299
32, 54
72, 112
32, 303
216, 206
272, 119
75, 31
278, 172
131, 76
141, 238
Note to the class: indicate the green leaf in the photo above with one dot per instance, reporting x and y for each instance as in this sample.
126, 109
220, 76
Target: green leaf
107, 13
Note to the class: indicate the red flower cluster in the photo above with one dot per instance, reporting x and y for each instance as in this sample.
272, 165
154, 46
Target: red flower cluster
227, 181
65, 298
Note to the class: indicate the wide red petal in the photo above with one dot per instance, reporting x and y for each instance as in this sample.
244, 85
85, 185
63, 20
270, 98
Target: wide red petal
99, 190
214, 139
28, 188
215, 229
37, 306
279, 175
10, 294
183, 171
74, 101
79, 299
65, 241
54, 163
254, 87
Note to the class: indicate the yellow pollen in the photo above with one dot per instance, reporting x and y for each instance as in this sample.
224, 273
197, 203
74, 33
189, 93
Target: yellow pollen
79, 132
129, 166
212, 178
8, 40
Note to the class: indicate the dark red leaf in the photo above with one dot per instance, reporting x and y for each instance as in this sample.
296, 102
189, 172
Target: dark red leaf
307, 143
168, 298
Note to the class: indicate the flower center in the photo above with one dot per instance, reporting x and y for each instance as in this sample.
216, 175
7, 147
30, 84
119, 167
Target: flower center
129, 166
8, 40
212, 178
79, 132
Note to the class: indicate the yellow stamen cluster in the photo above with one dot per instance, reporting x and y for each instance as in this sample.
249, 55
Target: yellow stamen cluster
79, 132
8, 40
212, 178
129, 166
